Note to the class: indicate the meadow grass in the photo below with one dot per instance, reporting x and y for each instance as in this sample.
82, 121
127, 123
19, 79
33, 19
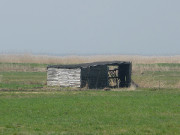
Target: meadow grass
28, 106
91, 112
22, 80
156, 79
158, 75
23, 67
22, 76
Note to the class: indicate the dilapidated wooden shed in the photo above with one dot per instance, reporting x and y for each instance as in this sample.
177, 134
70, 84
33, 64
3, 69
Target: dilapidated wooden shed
112, 74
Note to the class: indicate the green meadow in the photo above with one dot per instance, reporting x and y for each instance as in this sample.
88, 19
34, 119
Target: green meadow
29, 107
32, 76
143, 111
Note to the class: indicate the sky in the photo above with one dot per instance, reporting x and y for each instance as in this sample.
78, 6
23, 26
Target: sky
143, 27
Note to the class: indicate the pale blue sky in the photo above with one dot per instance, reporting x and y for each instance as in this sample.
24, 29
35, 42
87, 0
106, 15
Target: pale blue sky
145, 27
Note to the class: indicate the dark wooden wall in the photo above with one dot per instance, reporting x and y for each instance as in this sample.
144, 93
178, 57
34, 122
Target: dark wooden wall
94, 77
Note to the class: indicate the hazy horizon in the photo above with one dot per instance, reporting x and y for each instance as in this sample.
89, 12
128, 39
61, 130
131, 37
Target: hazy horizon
90, 27
86, 54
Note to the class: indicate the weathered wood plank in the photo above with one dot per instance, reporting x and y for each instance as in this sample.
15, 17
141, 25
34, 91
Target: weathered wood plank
64, 77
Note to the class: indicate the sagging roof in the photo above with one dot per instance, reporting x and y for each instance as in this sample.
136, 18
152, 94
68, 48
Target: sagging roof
86, 65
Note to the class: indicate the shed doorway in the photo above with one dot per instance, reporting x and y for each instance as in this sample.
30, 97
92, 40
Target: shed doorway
113, 76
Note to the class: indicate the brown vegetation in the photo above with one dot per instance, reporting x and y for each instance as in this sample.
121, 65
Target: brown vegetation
146, 73
44, 59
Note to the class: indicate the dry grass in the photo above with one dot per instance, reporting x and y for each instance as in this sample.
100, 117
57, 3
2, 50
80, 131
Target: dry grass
146, 73
20, 68
44, 59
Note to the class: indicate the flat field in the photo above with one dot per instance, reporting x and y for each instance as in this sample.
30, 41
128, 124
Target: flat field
143, 111
32, 76
29, 106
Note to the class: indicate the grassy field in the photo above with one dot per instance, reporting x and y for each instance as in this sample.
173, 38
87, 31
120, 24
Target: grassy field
163, 75
26, 76
91, 112
22, 80
29, 106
